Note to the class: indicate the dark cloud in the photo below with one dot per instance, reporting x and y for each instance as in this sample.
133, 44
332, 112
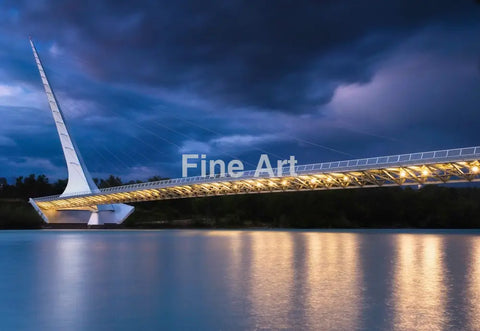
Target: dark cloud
262, 54
144, 81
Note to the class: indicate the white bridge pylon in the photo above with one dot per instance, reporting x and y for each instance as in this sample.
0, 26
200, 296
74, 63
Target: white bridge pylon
79, 179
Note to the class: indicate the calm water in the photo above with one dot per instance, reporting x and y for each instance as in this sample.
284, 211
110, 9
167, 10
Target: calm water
228, 280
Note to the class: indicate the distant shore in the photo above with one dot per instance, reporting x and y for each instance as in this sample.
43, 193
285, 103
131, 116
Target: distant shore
431, 207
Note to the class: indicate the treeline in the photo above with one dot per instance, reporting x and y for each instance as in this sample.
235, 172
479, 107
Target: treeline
428, 207
37, 186
394, 207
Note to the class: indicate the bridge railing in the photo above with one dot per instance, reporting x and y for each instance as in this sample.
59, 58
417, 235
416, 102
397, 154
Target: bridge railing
447, 155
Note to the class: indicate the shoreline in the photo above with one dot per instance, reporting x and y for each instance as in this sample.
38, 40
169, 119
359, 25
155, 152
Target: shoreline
120, 227
385, 208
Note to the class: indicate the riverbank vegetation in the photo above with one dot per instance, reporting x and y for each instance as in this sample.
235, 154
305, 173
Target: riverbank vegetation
395, 207
18, 214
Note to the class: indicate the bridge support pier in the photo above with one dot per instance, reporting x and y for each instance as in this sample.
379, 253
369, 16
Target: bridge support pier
110, 214
102, 214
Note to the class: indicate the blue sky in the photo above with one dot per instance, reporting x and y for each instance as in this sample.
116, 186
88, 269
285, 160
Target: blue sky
143, 82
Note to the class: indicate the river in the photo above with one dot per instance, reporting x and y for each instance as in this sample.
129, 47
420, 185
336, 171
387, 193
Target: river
240, 280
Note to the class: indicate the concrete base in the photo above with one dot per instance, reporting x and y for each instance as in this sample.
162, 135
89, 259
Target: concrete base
116, 215
104, 214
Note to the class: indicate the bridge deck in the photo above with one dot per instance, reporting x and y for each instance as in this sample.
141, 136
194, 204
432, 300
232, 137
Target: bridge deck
434, 167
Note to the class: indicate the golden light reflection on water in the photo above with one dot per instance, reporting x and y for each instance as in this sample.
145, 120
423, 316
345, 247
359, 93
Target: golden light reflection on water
313, 275
420, 292
237, 269
473, 287
334, 298
295, 280
271, 279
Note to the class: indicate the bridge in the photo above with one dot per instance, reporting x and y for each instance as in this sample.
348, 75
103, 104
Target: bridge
83, 202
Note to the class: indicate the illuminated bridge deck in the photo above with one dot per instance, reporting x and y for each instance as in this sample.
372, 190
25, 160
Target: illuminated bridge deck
435, 167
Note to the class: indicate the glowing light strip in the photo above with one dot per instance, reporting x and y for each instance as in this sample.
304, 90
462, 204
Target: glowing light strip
420, 174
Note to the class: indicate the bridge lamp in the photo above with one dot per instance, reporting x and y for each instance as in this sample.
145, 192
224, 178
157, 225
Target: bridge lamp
475, 169
403, 174
329, 179
313, 180
345, 178
425, 172
259, 184
284, 182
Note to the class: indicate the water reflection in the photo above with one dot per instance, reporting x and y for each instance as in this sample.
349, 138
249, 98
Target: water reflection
271, 279
237, 266
473, 294
239, 280
333, 281
419, 283
297, 280
68, 281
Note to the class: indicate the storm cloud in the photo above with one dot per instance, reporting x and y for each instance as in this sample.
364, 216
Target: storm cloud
158, 78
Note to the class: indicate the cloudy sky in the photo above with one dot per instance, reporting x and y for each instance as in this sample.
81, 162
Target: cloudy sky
142, 82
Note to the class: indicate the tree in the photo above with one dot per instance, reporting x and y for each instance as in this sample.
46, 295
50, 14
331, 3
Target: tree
110, 181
